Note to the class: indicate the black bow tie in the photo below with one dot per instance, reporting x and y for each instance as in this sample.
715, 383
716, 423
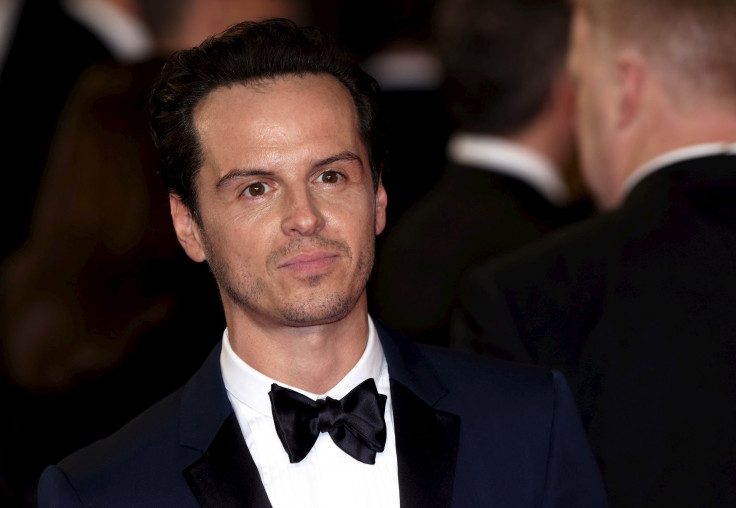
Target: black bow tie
355, 422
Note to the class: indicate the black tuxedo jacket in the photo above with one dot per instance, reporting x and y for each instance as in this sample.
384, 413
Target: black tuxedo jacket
470, 432
636, 307
472, 214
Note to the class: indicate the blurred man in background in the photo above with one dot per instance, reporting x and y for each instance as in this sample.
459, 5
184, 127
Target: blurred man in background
48, 45
405, 62
636, 306
506, 181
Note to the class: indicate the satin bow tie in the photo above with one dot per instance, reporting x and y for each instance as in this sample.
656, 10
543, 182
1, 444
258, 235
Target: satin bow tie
355, 422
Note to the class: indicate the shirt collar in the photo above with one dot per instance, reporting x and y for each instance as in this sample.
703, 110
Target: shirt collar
669, 158
506, 157
251, 387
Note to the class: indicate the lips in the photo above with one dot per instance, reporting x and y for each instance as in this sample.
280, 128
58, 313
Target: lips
310, 263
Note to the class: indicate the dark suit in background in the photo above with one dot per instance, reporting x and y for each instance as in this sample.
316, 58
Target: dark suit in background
504, 85
48, 52
636, 307
453, 413
472, 214
396, 47
101, 293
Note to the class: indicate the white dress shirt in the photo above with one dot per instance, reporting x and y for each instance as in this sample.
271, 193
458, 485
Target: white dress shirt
506, 157
669, 158
327, 477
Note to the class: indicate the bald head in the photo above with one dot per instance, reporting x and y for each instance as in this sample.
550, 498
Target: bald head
651, 76
689, 41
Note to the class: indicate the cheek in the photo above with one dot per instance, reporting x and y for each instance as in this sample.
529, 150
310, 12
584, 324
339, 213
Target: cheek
357, 229
586, 111
590, 126
354, 224
353, 214
242, 243
585, 127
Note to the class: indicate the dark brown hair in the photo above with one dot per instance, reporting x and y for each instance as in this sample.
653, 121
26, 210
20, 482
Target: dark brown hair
501, 59
249, 53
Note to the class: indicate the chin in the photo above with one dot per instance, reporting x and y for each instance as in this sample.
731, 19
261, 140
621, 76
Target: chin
313, 313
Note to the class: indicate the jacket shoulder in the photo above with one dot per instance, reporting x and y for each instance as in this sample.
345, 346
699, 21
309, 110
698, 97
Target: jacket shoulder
155, 427
489, 378
521, 426
139, 465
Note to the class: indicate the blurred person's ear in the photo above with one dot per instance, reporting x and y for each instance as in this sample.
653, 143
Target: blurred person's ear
631, 76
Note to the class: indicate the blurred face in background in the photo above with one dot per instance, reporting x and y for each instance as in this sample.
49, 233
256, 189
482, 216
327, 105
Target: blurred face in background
257, 10
591, 65
203, 18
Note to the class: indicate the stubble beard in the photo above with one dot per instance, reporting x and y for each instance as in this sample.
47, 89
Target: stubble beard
247, 292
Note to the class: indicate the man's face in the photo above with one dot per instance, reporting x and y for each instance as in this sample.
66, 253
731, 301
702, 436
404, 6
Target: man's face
288, 214
591, 68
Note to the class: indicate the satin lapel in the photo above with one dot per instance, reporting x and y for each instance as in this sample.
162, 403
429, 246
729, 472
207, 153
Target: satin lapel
426, 438
426, 446
226, 476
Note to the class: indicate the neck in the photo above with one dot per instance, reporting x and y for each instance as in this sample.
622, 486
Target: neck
672, 132
555, 144
312, 358
550, 133
654, 120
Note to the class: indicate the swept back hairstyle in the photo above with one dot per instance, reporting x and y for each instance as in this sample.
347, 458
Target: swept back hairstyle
689, 41
249, 53
501, 59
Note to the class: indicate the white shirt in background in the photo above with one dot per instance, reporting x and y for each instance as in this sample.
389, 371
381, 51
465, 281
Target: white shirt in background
669, 158
508, 158
125, 36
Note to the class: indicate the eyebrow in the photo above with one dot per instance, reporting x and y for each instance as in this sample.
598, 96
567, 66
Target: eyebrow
342, 156
245, 173
241, 173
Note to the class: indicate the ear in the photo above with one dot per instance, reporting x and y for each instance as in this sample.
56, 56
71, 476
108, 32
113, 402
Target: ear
187, 230
632, 79
381, 203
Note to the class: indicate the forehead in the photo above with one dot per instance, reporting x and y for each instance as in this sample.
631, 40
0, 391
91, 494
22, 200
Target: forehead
289, 116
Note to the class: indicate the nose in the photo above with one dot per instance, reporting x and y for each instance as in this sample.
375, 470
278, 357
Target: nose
302, 216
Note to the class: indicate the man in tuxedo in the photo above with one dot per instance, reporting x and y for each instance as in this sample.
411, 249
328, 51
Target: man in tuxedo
636, 306
509, 159
270, 147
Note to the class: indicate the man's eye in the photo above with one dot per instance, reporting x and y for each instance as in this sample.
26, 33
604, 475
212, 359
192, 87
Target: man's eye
330, 177
256, 189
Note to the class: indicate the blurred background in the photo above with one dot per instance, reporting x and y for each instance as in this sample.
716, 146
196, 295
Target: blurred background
101, 313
